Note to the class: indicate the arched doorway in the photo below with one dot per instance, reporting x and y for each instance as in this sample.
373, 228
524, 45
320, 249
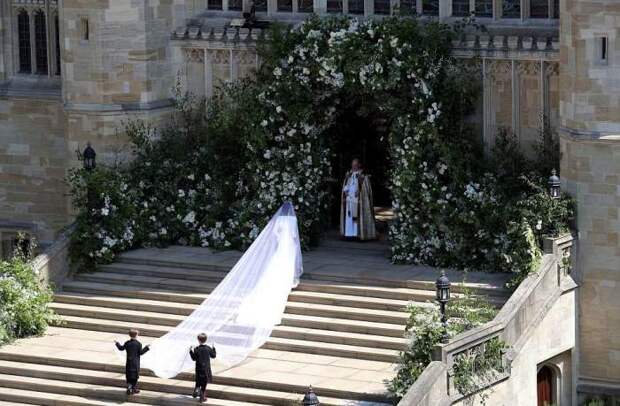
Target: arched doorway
360, 132
546, 381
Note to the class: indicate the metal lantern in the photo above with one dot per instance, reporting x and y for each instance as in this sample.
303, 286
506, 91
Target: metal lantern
310, 399
554, 185
443, 296
443, 288
88, 157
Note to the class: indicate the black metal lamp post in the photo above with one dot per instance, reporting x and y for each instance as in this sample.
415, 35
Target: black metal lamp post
443, 296
554, 185
310, 399
88, 158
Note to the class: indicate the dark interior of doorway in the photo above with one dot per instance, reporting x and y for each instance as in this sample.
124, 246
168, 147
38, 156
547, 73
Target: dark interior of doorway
360, 133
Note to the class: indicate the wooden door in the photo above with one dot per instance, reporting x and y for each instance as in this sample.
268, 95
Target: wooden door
545, 386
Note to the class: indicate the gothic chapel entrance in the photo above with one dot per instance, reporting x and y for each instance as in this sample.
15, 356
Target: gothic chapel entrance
360, 133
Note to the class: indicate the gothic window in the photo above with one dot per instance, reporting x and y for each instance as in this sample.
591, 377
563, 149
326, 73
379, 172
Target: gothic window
84, 29
430, 7
539, 8
556, 8
305, 6
334, 6
460, 8
260, 5
235, 5
23, 33
484, 8
40, 40
511, 8
285, 5
214, 4
57, 32
356, 6
382, 6
408, 6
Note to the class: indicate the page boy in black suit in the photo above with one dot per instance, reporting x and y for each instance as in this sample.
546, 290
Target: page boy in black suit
134, 350
202, 355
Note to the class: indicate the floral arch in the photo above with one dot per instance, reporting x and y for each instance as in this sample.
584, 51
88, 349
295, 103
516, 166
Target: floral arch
215, 179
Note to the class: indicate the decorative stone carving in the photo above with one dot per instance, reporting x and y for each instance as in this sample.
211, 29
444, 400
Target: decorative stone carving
528, 68
552, 69
498, 69
220, 56
246, 57
194, 55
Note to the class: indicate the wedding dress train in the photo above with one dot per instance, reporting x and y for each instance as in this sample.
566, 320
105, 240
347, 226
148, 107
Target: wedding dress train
241, 312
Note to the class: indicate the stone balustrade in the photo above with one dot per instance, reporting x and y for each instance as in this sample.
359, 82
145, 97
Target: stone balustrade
514, 324
52, 265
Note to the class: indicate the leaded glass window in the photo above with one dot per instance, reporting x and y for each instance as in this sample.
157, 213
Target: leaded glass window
356, 6
260, 5
511, 8
235, 5
484, 8
430, 7
539, 8
57, 32
382, 6
408, 6
306, 6
334, 6
460, 8
40, 40
23, 33
214, 4
285, 5
556, 8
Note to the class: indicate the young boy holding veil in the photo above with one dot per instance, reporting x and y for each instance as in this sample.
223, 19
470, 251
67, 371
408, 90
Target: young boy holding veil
134, 350
202, 355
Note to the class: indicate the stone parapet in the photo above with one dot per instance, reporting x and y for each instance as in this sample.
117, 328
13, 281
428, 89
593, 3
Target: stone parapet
546, 293
518, 47
52, 265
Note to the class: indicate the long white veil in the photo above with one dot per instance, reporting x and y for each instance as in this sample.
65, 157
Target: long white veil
240, 314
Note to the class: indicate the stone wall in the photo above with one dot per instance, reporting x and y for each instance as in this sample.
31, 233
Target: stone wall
33, 159
123, 60
544, 346
590, 123
591, 172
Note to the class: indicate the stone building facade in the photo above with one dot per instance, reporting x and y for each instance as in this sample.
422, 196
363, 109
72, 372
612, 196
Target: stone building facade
72, 70
590, 144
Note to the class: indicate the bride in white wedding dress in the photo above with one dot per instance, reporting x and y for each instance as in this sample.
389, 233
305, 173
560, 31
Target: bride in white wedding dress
241, 312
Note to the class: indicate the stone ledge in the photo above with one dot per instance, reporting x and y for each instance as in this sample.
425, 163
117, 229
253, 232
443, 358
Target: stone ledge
31, 86
589, 135
105, 107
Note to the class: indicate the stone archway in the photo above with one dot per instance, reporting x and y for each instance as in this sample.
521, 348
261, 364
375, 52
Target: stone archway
547, 385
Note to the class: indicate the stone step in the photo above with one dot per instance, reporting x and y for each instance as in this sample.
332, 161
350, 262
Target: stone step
96, 364
184, 309
41, 391
169, 320
273, 343
32, 397
305, 294
222, 262
187, 286
309, 309
163, 294
74, 381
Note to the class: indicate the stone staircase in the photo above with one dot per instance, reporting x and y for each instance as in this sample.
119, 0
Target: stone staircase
342, 332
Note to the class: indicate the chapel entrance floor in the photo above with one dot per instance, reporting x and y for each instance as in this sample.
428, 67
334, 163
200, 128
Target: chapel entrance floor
341, 332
